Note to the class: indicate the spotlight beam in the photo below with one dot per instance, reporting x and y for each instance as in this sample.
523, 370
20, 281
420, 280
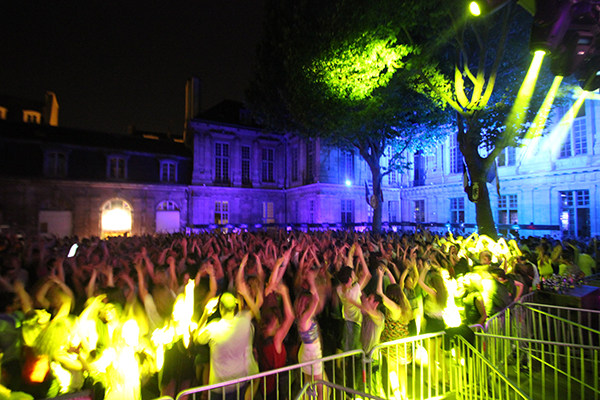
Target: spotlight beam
517, 114
557, 137
539, 122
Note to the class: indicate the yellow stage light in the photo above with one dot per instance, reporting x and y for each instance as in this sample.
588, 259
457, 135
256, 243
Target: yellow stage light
517, 114
474, 9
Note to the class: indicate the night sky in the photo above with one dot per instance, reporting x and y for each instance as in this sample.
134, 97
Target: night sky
112, 63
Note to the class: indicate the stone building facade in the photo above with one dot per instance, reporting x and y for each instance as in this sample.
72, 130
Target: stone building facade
226, 171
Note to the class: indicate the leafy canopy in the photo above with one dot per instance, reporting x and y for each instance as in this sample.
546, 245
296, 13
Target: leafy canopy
354, 68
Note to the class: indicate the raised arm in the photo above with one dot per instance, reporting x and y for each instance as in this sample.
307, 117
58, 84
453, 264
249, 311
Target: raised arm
364, 275
520, 289
25, 299
429, 290
288, 319
305, 317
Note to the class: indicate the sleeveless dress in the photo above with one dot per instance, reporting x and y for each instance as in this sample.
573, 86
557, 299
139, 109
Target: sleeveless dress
310, 349
394, 330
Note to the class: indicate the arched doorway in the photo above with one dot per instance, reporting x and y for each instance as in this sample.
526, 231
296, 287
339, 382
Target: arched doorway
116, 218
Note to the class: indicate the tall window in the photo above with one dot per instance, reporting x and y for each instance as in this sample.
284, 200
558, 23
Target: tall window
222, 162
295, 160
311, 212
246, 165
432, 161
457, 210
420, 211
508, 209
56, 164
311, 150
575, 142
268, 158
117, 167
393, 211
575, 212
507, 157
419, 169
221, 212
347, 164
456, 164
347, 211
393, 178
168, 171
268, 212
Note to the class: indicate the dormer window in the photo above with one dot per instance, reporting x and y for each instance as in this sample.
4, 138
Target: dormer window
168, 171
55, 164
117, 168
32, 117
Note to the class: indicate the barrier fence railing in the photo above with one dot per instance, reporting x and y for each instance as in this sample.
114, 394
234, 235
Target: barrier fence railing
501, 322
423, 373
289, 380
522, 345
544, 369
309, 388
477, 377
416, 367
576, 325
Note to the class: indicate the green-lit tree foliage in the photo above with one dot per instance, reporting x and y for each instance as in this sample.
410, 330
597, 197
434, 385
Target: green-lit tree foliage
337, 70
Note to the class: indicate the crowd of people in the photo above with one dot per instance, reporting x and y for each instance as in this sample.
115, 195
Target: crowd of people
148, 316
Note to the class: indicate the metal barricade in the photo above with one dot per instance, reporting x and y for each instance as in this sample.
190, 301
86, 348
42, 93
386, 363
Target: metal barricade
558, 324
309, 388
289, 381
477, 377
502, 322
544, 369
416, 367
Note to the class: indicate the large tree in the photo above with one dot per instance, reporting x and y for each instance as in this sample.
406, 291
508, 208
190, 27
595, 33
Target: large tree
481, 64
335, 69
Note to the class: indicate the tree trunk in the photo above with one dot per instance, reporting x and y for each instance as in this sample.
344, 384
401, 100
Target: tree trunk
483, 209
371, 151
477, 168
378, 211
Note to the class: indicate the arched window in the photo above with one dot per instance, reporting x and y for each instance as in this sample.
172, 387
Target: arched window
167, 205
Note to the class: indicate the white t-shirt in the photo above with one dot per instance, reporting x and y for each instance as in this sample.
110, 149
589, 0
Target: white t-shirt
230, 342
350, 311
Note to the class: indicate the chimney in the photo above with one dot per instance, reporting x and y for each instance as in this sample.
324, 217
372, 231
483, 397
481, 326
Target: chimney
50, 111
192, 98
192, 105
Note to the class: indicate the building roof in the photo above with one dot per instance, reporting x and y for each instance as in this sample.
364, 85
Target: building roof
229, 112
20, 131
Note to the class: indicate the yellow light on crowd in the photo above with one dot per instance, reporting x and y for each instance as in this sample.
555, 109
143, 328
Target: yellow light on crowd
421, 356
131, 333
395, 385
451, 314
